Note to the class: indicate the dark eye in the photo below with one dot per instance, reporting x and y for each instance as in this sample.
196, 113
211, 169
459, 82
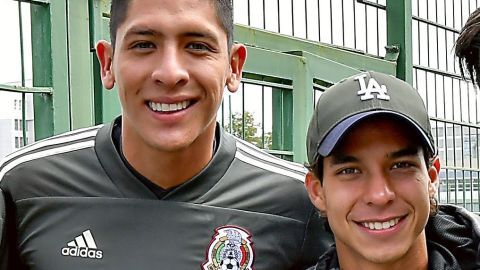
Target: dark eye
349, 171
144, 45
400, 165
198, 47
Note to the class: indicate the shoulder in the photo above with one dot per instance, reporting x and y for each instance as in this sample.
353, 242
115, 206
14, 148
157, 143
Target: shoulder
255, 180
458, 230
50, 148
259, 159
3, 214
454, 216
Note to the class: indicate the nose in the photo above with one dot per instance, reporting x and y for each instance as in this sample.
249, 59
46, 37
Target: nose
171, 70
379, 191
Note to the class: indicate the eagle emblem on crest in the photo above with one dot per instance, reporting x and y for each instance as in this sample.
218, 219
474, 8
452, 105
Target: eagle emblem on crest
231, 248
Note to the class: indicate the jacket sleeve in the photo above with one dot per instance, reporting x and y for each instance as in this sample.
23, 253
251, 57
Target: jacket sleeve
9, 256
3, 240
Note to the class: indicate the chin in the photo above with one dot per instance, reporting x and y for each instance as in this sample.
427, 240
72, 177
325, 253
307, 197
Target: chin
387, 255
170, 146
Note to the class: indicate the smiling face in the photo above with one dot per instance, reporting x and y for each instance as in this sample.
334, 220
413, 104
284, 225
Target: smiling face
375, 193
171, 64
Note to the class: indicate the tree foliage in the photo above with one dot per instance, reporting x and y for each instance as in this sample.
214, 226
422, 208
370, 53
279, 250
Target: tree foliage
252, 131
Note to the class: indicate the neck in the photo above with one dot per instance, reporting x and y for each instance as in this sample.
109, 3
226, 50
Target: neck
170, 168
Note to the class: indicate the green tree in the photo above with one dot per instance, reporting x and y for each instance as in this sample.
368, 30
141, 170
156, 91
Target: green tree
247, 129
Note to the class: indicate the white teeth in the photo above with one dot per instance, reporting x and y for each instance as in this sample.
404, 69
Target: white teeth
164, 107
381, 225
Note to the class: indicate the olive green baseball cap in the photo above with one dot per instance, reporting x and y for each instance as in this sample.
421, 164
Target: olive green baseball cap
347, 102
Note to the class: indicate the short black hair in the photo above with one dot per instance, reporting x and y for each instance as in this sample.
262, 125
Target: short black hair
224, 8
467, 48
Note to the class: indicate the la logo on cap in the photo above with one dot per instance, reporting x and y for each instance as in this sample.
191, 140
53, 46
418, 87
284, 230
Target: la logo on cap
366, 91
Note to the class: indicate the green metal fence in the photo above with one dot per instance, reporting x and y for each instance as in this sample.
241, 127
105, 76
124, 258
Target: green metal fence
296, 50
16, 79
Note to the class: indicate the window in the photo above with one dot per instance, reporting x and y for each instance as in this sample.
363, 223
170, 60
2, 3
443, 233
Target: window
18, 142
18, 124
17, 104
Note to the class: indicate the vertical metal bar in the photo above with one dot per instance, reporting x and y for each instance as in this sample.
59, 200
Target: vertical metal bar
436, 20
230, 118
293, 20
343, 23
461, 13
478, 160
453, 35
45, 122
436, 93
306, 20
278, 15
428, 37
319, 23
331, 22
470, 165
264, 16
366, 29
471, 190
472, 172
446, 33
263, 117
24, 120
444, 101
469, 119
22, 64
464, 201
354, 24
477, 150
416, 77
462, 150
248, 12
96, 20
243, 112
418, 38
460, 101
399, 29
427, 102
378, 31
69, 79
22, 52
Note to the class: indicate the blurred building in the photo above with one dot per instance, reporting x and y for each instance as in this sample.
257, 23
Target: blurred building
11, 123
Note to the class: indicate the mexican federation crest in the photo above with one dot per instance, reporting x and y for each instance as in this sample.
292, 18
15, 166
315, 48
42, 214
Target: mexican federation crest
231, 248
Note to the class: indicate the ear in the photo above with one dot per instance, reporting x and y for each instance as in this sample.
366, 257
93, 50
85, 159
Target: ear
433, 173
315, 191
238, 55
105, 57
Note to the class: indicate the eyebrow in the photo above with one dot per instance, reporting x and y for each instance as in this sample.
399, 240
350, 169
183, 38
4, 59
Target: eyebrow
141, 31
340, 158
145, 31
405, 152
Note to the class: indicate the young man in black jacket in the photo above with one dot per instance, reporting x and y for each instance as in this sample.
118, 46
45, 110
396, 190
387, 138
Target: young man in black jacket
374, 175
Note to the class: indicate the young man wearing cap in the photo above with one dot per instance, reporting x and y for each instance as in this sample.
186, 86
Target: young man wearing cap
374, 175
162, 186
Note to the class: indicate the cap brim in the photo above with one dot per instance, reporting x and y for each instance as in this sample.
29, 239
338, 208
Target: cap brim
335, 135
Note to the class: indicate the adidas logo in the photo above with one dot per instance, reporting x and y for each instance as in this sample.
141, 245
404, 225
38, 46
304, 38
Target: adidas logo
83, 246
